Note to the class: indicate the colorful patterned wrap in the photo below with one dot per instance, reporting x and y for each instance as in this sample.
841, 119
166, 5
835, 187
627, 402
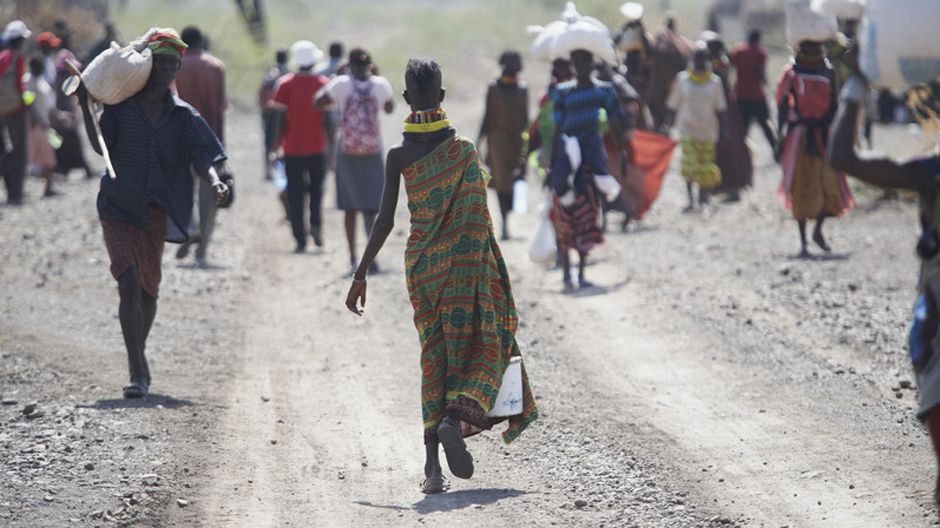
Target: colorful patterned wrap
459, 286
698, 163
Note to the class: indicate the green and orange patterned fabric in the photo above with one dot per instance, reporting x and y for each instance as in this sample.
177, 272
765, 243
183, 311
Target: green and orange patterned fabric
459, 287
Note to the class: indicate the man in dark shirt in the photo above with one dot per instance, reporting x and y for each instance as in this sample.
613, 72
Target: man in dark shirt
750, 63
155, 140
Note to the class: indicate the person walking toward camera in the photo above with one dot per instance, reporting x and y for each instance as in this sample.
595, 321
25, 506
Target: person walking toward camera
151, 199
201, 83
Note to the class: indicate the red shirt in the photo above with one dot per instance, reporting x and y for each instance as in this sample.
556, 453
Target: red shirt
305, 134
5, 57
750, 63
201, 83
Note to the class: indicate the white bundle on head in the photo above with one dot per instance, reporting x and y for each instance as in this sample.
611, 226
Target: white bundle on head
582, 32
805, 24
118, 73
545, 39
847, 9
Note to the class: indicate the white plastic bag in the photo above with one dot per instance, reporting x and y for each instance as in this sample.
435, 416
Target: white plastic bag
586, 34
849, 9
520, 197
898, 42
544, 248
805, 24
509, 398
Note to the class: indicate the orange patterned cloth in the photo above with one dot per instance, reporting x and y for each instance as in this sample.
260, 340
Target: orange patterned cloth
129, 245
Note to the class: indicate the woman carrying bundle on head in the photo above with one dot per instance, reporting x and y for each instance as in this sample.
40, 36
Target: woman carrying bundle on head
457, 281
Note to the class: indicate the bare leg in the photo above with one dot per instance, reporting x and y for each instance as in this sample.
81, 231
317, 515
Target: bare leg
688, 190
432, 460
804, 251
582, 263
566, 269
933, 424
769, 133
350, 223
131, 315
818, 237
149, 309
47, 175
505, 207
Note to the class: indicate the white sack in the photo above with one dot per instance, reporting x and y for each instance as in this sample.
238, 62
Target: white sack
898, 42
805, 24
587, 34
544, 249
545, 39
848, 9
117, 73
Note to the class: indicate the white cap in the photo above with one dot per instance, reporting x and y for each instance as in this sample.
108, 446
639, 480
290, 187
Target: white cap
304, 54
16, 29
632, 11
709, 36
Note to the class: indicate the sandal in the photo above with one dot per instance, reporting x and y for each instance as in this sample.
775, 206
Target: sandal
135, 390
434, 484
459, 460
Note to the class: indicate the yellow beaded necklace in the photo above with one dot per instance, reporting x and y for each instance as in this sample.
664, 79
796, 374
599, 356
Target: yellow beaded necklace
424, 121
700, 78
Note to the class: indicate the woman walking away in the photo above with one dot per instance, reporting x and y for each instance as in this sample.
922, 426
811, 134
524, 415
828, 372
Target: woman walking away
806, 102
920, 175
457, 280
697, 104
359, 166
504, 121
579, 162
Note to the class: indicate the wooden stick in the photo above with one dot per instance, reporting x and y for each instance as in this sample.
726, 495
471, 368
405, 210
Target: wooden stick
74, 69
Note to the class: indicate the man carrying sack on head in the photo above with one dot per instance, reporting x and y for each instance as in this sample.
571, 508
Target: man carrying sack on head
154, 138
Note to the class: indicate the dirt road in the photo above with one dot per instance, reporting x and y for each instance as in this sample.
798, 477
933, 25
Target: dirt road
711, 379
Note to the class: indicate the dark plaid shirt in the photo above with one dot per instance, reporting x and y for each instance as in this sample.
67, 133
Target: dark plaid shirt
153, 163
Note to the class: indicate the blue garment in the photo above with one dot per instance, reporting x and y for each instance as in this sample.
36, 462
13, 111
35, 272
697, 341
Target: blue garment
593, 157
577, 110
153, 163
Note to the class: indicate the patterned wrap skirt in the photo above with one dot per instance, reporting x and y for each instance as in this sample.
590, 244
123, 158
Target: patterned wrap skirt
141, 247
459, 287
698, 163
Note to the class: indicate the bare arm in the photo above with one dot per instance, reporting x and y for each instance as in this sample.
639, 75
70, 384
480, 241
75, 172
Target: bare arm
323, 100
384, 222
211, 175
882, 172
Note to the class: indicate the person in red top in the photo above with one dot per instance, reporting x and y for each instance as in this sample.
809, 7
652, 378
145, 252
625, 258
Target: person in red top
13, 115
750, 62
201, 83
304, 140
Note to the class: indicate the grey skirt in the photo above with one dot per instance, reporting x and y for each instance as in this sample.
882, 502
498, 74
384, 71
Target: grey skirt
359, 182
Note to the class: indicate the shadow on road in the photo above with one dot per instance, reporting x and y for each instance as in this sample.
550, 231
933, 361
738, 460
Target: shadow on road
150, 401
451, 501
